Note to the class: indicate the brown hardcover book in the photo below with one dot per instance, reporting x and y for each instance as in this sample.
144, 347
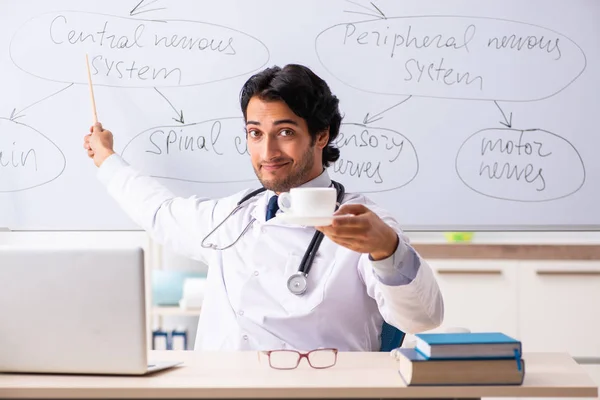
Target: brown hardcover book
417, 370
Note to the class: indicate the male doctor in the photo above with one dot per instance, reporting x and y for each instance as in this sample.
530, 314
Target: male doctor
364, 271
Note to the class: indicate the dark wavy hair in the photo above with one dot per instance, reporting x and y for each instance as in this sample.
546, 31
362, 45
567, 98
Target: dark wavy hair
307, 95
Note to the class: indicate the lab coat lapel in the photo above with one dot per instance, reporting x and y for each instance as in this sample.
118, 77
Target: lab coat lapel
259, 213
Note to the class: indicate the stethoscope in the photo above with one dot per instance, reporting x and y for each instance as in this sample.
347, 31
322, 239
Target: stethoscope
298, 281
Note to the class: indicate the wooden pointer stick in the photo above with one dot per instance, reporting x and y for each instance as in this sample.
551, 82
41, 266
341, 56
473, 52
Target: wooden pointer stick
89, 74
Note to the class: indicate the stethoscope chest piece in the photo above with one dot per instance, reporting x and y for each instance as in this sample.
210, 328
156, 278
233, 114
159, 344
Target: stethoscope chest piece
297, 283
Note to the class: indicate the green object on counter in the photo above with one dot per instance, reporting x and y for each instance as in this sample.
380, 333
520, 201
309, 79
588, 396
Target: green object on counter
458, 236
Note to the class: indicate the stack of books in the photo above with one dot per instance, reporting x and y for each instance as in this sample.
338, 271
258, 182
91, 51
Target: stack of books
486, 358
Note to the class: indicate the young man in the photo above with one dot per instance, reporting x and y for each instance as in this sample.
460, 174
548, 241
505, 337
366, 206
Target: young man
364, 272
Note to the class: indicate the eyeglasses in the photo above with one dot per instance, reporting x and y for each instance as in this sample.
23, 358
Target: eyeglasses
290, 359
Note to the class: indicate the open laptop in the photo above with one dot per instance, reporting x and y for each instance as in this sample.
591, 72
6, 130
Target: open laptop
73, 311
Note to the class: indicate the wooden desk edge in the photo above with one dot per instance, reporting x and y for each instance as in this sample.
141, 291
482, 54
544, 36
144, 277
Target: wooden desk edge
246, 393
508, 251
550, 375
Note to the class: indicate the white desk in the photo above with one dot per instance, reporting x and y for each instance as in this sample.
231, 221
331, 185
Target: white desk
240, 375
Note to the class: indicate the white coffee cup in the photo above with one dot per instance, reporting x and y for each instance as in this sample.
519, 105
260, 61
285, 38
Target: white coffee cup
308, 202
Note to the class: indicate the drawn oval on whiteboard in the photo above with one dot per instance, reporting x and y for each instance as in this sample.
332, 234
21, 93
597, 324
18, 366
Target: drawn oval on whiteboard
212, 151
28, 158
454, 57
373, 159
131, 52
520, 165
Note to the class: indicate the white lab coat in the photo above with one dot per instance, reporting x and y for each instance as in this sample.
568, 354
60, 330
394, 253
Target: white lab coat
247, 304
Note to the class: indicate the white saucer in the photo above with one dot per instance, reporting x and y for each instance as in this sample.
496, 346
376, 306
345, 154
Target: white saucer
304, 220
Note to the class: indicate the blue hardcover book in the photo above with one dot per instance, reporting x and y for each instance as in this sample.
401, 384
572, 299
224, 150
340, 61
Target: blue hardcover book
468, 345
417, 370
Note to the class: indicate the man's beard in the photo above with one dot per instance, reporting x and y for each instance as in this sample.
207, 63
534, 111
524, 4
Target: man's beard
297, 177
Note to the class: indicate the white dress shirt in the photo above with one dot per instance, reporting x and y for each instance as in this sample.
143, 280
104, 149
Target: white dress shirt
247, 304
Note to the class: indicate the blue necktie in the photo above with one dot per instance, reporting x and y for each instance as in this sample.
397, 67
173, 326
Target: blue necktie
272, 207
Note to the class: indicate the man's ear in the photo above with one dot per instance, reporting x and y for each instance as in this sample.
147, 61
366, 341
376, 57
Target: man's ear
323, 138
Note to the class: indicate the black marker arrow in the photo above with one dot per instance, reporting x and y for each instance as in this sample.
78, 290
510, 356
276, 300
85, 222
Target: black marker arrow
369, 119
373, 10
507, 122
14, 115
379, 12
140, 7
179, 113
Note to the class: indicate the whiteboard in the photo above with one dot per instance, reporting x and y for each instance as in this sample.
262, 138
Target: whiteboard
478, 115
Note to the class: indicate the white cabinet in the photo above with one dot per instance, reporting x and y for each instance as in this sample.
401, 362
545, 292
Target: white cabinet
548, 305
479, 295
559, 306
